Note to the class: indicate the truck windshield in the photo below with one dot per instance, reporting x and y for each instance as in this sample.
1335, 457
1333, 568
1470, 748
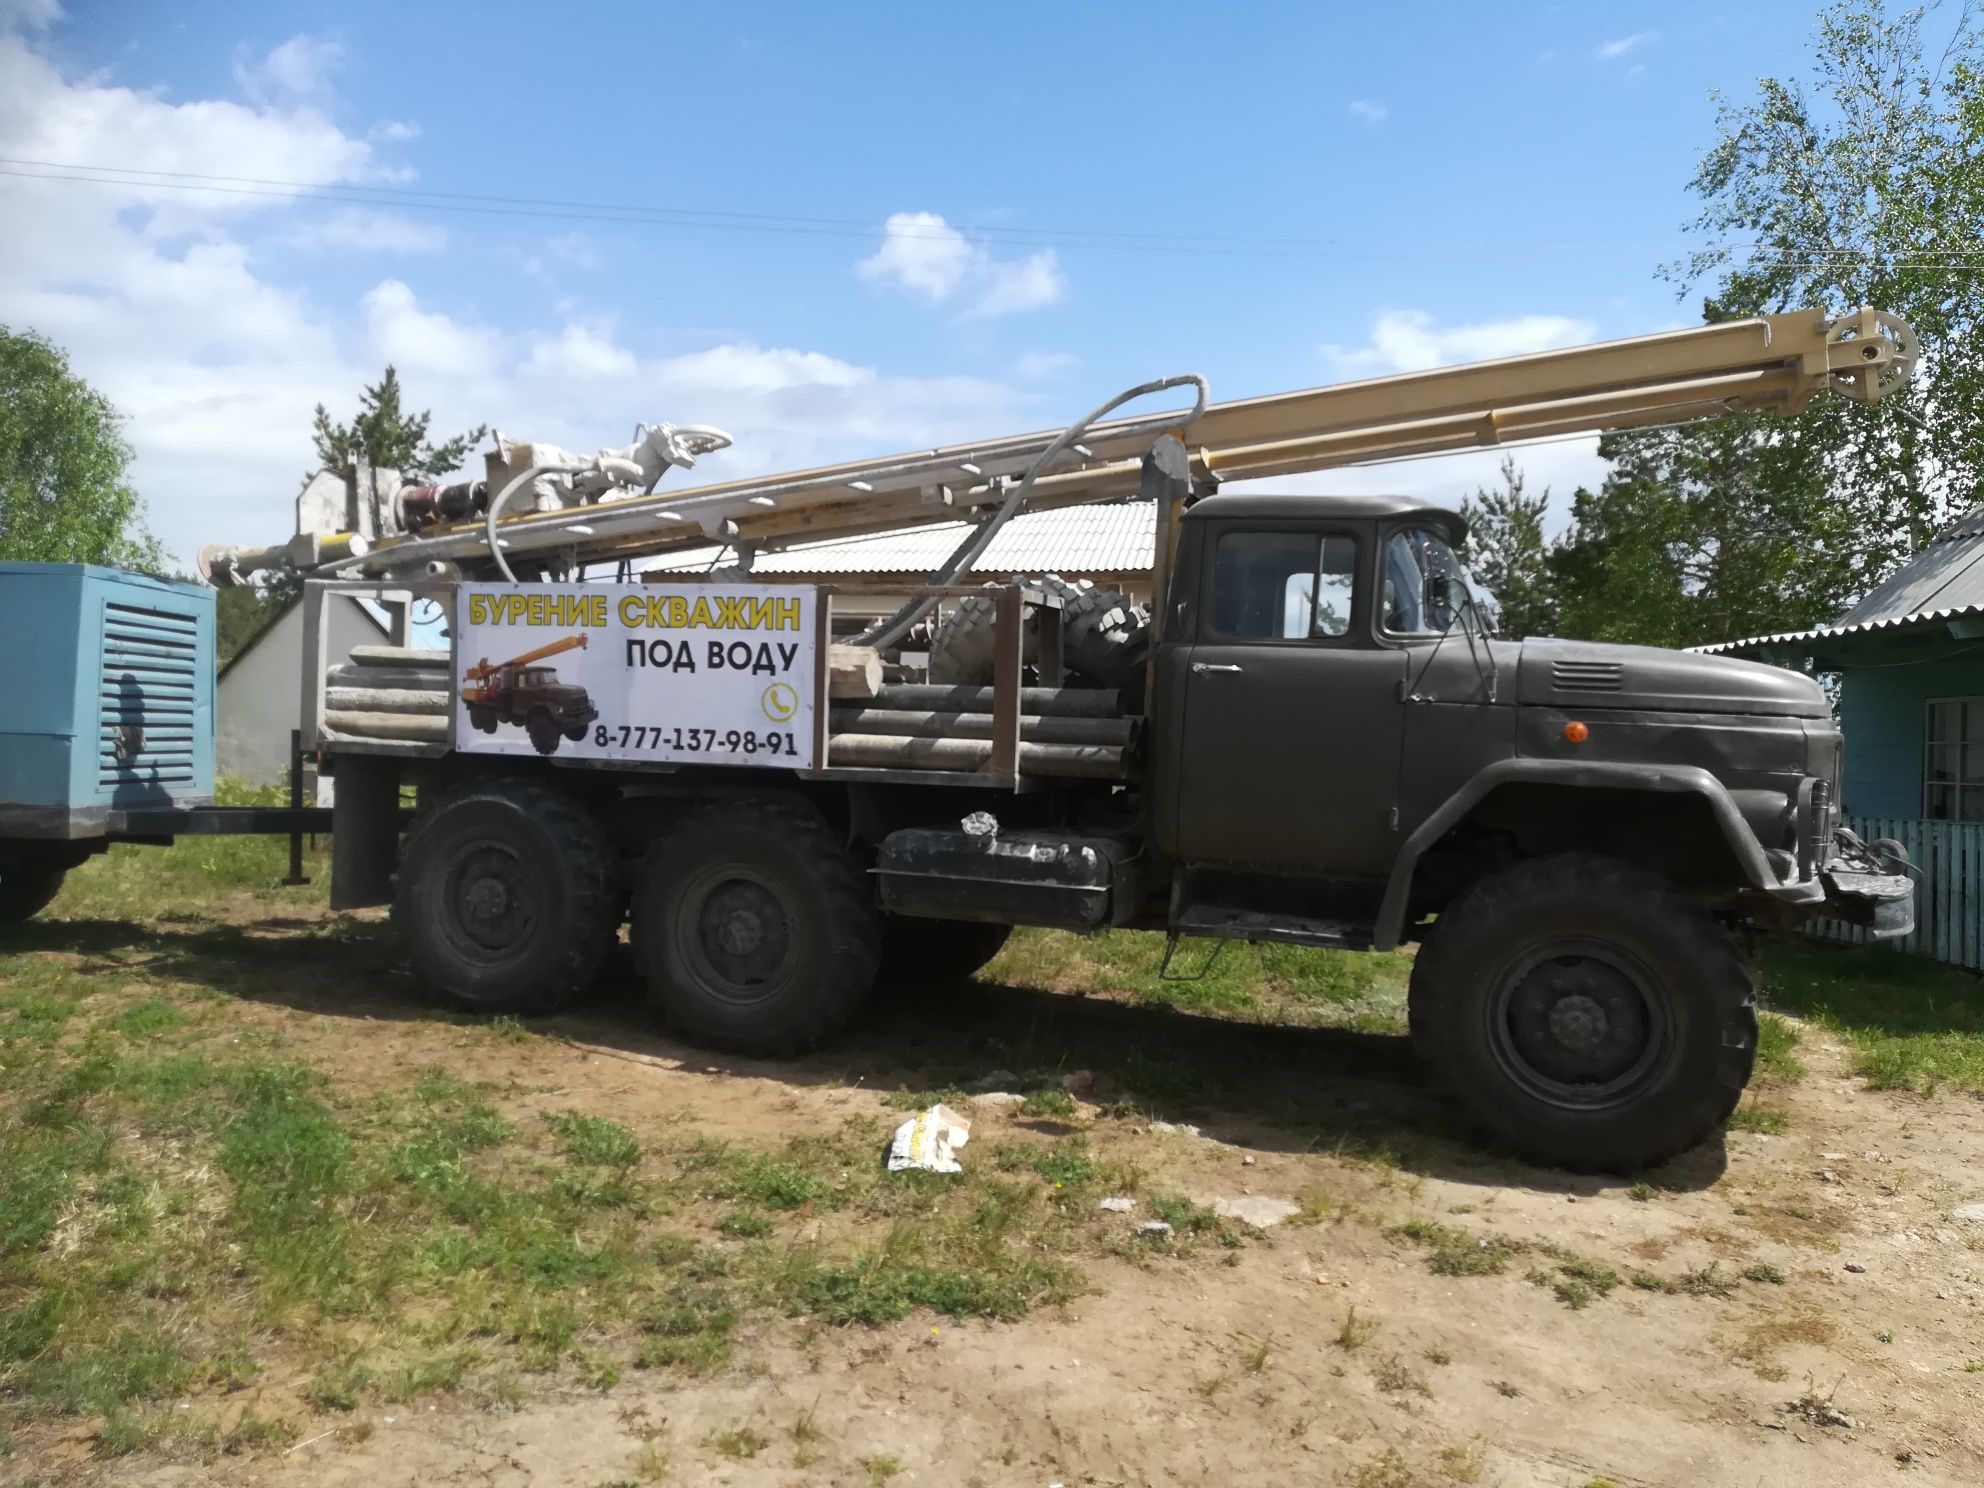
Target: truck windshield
1424, 585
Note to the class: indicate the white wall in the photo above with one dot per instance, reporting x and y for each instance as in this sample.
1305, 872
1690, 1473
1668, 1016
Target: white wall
261, 698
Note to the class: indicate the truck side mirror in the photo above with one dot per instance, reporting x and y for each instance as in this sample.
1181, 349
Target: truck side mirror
1440, 600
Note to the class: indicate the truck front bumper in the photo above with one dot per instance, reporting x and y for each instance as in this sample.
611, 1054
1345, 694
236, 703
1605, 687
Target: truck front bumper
1870, 885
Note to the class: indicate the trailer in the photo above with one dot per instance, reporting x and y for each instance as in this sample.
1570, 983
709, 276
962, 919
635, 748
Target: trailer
109, 732
1312, 737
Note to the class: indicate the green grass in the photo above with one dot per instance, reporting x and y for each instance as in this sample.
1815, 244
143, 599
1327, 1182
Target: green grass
185, 1200
1912, 1023
1258, 984
1452, 1252
1750, 1117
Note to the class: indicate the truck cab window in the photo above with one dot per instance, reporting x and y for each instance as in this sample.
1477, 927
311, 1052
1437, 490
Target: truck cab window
1421, 583
1282, 586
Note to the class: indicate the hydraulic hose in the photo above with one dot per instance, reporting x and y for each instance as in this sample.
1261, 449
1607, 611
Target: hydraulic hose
888, 632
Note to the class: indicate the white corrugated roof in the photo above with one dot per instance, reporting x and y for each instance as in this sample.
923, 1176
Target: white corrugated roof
1828, 632
1118, 538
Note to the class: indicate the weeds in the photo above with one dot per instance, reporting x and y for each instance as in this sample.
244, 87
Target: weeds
1049, 1100
1395, 1377
1355, 1332
738, 1443
1762, 1119
1452, 1252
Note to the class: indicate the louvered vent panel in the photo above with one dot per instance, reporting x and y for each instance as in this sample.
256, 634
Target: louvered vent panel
1586, 676
149, 684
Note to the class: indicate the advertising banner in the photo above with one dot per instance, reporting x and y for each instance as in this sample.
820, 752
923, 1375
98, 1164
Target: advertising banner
713, 674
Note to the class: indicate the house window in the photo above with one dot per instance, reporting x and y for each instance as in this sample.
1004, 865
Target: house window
1953, 763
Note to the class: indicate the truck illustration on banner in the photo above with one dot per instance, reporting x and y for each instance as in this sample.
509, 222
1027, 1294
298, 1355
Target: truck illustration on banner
529, 696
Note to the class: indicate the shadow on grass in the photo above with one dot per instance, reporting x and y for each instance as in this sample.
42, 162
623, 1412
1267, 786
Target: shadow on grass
1264, 1086
1915, 1024
1874, 988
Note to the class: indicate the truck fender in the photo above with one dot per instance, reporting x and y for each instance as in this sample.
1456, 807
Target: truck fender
1678, 779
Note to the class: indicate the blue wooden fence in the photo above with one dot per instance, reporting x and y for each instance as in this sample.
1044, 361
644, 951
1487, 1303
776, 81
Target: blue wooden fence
1949, 897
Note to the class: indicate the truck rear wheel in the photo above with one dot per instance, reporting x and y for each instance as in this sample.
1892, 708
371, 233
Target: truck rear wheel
27, 888
755, 929
1585, 1013
544, 733
507, 896
932, 955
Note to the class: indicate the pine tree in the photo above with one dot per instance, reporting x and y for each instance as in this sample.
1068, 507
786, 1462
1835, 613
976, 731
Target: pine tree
1508, 554
382, 433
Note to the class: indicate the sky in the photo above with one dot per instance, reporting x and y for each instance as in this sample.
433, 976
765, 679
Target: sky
863, 228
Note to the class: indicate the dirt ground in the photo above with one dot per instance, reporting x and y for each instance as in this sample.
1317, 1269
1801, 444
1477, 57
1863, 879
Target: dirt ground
1328, 1349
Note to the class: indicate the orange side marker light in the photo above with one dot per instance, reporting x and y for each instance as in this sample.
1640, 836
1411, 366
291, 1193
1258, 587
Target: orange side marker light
1575, 732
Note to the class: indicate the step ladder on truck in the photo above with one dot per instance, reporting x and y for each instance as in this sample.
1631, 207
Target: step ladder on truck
1311, 735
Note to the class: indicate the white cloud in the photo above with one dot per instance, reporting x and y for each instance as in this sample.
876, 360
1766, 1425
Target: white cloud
1410, 341
29, 15
923, 255
579, 249
583, 350
426, 341
1039, 364
216, 357
920, 253
1611, 51
1020, 284
298, 70
1365, 111
357, 230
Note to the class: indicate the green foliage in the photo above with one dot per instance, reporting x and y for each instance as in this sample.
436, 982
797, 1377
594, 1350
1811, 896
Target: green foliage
63, 495
382, 433
241, 613
1858, 184
1706, 532
1508, 553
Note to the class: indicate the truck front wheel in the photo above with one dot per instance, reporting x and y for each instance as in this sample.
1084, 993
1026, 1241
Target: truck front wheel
755, 928
1585, 1013
507, 897
544, 733
27, 887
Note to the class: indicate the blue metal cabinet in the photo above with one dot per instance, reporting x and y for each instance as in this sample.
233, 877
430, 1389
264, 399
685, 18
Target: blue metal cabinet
106, 696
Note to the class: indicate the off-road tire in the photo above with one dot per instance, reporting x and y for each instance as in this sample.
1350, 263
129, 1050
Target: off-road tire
1686, 967
1105, 638
544, 734
804, 896
560, 902
962, 644
920, 955
482, 717
26, 889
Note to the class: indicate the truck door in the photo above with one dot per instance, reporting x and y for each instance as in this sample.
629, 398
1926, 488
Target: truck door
1293, 713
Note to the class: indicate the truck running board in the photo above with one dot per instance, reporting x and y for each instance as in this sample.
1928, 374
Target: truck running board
1217, 922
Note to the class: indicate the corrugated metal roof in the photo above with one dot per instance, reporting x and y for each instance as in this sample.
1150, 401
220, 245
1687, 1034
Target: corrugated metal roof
1830, 632
1118, 538
1945, 581
1948, 574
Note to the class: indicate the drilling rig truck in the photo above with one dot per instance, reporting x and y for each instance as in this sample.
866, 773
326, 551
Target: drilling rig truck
1312, 735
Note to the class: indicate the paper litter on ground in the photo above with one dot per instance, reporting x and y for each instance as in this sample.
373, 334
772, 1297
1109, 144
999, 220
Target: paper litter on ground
928, 1142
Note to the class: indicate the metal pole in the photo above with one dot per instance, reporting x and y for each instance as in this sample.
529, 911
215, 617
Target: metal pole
296, 800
